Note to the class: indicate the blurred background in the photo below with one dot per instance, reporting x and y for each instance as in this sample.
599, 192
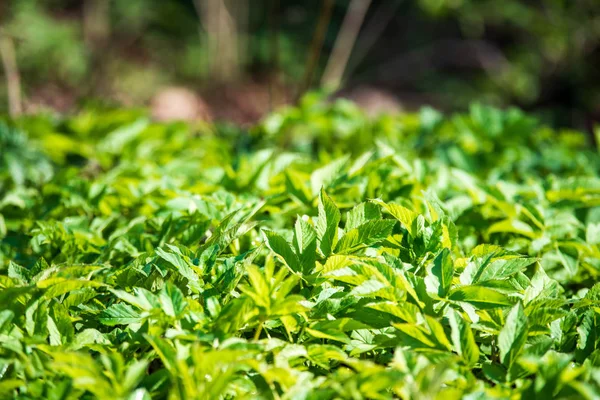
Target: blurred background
235, 60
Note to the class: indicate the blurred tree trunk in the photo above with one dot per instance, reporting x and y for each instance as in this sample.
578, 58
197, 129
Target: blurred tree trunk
381, 18
334, 72
96, 35
11, 72
241, 13
96, 23
220, 23
274, 80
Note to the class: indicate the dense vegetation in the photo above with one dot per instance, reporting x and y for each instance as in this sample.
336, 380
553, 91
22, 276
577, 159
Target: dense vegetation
541, 55
320, 255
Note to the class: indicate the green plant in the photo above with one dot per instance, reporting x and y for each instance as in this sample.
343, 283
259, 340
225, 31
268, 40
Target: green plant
324, 255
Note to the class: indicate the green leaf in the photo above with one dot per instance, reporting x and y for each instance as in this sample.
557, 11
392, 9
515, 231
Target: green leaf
3, 229
327, 224
502, 268
332, 334
462, 338
55, 287
88, 337
592, 233
79, 297
304, 235
512, 226
60, 326
165, 351
9, 386
305, 245
402, 214
437, 331
142, 298
323, 177
6, 317
369, 288
135, 373
176, 259
261, 291
172, 300
588, 332
428, 336
18, 272
443, 271
571, 264
85, 373
283, 250
119, 314
541, 286
365, 235
405, 311
513, 336
296, 187
361, 214
115, 141
480, 296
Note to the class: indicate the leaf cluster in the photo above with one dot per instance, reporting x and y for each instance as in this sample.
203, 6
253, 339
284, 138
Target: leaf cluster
453, 257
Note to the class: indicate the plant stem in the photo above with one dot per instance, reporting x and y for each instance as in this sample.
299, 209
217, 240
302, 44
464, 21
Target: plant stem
258, 331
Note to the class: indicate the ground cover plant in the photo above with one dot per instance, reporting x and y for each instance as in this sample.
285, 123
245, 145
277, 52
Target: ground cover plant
321, 255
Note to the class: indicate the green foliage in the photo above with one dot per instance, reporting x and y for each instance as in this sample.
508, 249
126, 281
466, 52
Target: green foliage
455, 258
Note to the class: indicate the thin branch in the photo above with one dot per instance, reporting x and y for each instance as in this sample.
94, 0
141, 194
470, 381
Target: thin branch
344, 44
274, 48
316, 46
372, 31
11, 72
